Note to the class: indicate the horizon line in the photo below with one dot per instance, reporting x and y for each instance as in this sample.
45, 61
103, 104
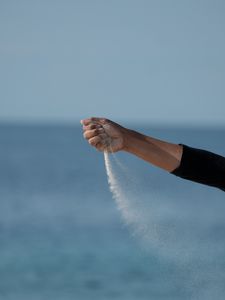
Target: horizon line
125, 122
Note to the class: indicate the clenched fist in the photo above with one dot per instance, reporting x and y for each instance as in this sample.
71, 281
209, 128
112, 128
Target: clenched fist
104, 134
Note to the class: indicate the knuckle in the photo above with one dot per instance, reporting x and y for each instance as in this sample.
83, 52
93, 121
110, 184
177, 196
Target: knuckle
92, 142
90, 133
85, 135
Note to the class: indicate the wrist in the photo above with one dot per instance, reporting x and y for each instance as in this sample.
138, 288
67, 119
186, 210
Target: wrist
128, 139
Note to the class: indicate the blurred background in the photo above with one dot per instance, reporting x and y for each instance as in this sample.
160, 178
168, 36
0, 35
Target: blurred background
154, 66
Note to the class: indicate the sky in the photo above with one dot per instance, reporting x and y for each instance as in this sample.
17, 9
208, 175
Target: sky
155, 61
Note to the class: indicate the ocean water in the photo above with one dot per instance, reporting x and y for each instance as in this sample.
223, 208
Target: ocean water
63, 237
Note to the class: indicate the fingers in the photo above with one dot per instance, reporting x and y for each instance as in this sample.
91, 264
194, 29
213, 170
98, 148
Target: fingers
91, 126
99, 142
103, 134
91, 133
95, 134
93, 120
94, 141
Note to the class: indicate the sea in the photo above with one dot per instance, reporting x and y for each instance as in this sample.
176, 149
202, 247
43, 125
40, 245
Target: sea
63, 237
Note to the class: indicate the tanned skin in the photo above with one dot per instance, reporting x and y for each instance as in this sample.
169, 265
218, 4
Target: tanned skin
106, 135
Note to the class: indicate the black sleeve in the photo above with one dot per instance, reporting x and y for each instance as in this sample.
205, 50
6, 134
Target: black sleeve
202, 166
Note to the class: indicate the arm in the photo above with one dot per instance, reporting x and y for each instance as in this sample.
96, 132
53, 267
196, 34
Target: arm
159, 153
188, 163
106, 135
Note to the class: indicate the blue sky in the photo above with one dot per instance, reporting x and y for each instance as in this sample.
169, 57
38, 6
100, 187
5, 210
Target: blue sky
160, 61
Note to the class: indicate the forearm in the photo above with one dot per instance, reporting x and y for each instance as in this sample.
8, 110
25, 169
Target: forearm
159, 153
183, 161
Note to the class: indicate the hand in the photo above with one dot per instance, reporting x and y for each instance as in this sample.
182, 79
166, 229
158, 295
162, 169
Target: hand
104, 134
